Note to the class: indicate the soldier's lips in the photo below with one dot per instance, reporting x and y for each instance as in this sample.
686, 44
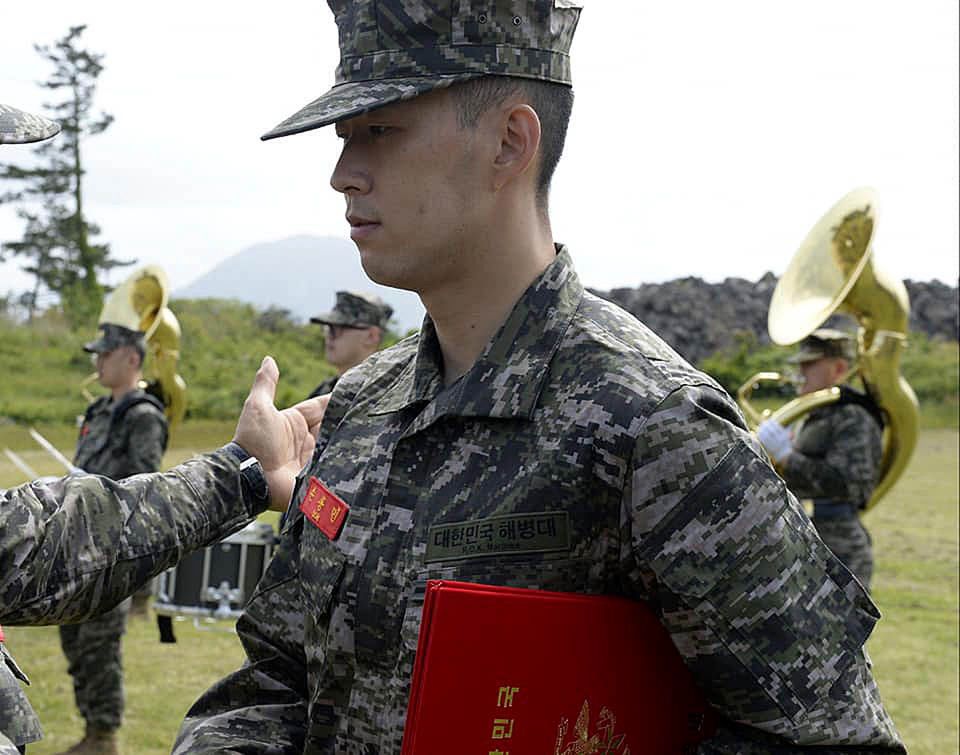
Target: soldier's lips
361, 228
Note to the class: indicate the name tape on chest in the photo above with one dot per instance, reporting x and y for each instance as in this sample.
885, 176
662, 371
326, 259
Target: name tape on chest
510, 534
324, 509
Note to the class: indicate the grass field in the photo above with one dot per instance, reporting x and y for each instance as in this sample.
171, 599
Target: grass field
914, 648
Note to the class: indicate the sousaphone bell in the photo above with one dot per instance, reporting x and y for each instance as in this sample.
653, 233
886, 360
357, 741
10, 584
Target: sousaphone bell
833, 272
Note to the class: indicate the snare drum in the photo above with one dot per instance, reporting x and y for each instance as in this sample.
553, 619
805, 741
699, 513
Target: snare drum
217, 581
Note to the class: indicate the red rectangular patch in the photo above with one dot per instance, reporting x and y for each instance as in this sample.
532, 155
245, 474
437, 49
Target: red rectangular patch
324, 508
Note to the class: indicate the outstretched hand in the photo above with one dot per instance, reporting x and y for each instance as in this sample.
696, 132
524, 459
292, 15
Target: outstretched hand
283, 441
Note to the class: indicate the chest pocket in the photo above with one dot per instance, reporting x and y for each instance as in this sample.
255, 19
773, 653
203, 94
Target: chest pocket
300, 579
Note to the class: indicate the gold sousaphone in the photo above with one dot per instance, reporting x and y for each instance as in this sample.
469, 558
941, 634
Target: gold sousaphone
140, 303
833, 271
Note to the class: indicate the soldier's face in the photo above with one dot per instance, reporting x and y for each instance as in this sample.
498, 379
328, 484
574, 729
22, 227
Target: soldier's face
347, 347
821, 373
115, 368
415, 185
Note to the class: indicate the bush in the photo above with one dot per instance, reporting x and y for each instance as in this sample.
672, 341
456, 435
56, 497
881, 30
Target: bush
221, 347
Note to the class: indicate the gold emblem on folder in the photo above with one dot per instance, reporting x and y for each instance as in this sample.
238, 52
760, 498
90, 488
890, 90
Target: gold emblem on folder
602, 742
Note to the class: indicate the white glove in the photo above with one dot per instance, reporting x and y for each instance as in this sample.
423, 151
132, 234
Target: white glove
776, 439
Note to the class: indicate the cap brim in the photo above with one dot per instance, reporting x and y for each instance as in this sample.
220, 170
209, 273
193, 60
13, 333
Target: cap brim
335, 318
329, 318
357, 97
95, 347
19, 127
805, 356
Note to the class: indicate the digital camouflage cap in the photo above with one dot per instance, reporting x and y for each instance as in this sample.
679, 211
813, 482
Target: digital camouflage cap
356, 309
392, 50
19, 127
115, 336
824, 343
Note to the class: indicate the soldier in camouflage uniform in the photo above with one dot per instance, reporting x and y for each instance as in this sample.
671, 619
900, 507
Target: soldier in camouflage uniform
530, 435
122, 434
835, 457
75, 547
352, 331
17, 719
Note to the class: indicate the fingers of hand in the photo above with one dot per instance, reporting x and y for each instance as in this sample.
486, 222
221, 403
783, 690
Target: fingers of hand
313, 410
264, 387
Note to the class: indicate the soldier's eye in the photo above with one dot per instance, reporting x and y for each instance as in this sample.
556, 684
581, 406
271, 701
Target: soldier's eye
378, 130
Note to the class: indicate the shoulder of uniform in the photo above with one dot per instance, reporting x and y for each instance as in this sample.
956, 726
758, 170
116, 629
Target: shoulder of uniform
382, 366
145, 406
98, 403
851, 410
609, 341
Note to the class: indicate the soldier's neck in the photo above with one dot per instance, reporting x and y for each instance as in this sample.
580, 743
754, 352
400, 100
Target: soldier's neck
120, 391
469, 310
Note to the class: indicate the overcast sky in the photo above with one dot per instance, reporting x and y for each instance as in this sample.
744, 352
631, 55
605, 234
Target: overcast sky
706, 139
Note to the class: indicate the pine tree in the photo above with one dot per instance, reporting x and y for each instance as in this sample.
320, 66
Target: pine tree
57, 236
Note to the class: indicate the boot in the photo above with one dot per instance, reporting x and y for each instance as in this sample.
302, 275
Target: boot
95, 742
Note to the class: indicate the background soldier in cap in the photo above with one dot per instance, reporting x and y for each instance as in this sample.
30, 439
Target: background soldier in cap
122, 434
835, 457
522, 396
75, 547
352, 331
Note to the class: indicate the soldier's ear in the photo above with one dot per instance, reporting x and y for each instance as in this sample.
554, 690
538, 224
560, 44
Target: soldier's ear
519, 144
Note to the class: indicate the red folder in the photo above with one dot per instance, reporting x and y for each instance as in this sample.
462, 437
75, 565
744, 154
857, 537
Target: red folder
506, 671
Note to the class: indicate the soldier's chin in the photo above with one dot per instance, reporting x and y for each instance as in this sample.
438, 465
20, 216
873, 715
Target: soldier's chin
380, 270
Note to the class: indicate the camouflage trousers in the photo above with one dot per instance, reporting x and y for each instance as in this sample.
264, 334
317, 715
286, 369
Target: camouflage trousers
850, 542
18, 722
95, 661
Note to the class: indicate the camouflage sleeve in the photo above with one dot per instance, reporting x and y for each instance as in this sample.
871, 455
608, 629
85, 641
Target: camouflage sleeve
851, 466
146, 441
7, 747
77, 546
771, 625
263, 705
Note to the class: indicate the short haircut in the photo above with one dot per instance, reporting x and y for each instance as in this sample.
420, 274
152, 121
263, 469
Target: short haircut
553, 104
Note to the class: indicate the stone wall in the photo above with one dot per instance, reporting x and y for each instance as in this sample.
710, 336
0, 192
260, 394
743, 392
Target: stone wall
699, 318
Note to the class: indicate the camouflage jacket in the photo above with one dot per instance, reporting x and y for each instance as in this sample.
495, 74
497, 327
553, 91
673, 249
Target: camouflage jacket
634, 475
836, 455
122, 438
19, 724
7, 747
75, 547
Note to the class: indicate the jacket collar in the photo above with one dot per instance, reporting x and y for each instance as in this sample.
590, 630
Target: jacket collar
507, 379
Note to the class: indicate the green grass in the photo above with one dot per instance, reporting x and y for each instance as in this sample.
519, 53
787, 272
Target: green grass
161, 682
915, 645
914, 648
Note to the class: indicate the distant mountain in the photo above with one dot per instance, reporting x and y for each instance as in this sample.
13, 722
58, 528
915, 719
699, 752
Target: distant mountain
301, 274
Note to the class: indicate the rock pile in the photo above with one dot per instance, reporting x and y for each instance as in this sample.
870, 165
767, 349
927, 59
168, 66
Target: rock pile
699, 318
